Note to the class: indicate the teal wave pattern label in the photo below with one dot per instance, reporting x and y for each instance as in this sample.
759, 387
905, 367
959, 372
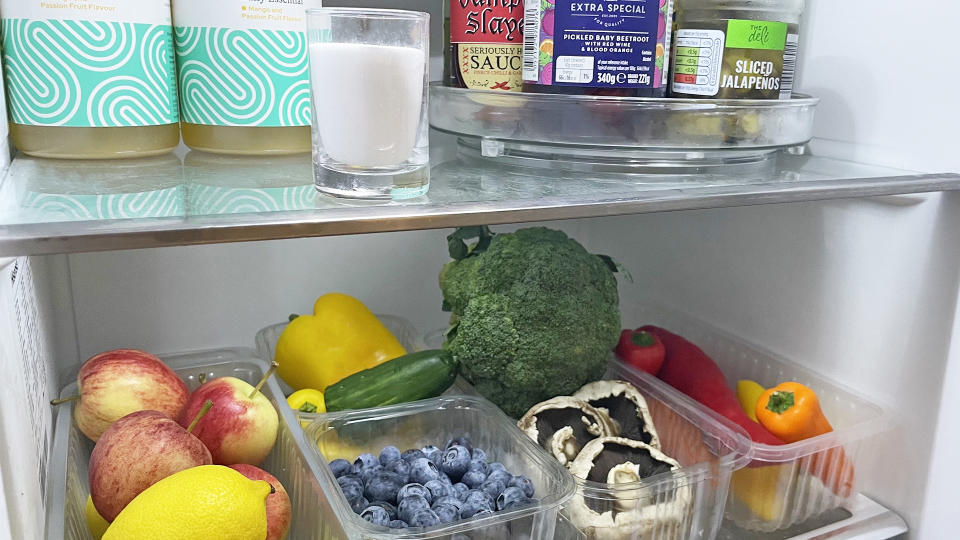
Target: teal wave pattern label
243, 77
89, 73
169, 202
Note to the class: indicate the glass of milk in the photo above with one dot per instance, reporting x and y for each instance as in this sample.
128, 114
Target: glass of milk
368, 80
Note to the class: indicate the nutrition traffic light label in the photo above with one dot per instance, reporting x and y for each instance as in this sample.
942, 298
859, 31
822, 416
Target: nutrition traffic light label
697, 63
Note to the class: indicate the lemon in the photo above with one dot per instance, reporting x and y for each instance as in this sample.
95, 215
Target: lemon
95, 521
209, 501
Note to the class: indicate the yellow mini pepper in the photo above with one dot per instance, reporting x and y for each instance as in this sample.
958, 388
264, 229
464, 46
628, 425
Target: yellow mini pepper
308, 400
341, 338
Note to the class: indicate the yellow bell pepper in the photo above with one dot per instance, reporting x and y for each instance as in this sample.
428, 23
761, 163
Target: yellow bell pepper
307, 400
748, 393
341, 338
759, 487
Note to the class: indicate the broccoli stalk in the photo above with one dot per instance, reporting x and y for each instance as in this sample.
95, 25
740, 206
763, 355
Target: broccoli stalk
536, 315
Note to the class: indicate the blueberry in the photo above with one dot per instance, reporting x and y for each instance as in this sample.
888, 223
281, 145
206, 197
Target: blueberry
445, 478
478, 454
439, 489
424, 518
463, 440
523, 483
397, 524
388, 455
422, 470
461, 489
391, 509
495, 465
352, 492
412, 489
365, 460
501, 476
383, 486
467, 510
411, 454
410, 505
446, 513
473, 478
451, 501
340, 467
519, 503
369, 472
483, 512
478, 498
493, 487
455, 461
477, 465
359, 505
432, 453
400, 467
376, 515
508, 496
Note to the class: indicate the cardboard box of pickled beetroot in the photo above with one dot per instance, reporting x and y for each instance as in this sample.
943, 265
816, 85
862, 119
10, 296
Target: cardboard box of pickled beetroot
793, 475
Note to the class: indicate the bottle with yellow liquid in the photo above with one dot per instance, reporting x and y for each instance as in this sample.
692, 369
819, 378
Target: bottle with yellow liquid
243, 75
90, 79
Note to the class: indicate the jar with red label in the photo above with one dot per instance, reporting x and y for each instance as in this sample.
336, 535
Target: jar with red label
483, 44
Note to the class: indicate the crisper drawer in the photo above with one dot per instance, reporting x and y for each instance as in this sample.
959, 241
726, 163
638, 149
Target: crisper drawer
787, 484
67, 486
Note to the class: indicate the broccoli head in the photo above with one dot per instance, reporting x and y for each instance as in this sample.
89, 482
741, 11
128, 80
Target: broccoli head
535, 315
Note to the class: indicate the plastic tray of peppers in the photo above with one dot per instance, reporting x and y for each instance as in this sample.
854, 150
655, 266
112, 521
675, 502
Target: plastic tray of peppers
811, 465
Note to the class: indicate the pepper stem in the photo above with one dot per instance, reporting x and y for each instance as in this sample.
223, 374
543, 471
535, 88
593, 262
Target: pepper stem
263, 381
203, 411
780, 401
642, 339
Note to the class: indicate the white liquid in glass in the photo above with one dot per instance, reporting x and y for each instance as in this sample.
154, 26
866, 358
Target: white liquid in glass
368, 101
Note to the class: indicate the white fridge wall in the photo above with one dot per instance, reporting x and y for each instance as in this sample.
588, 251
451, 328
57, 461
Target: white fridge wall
887, 94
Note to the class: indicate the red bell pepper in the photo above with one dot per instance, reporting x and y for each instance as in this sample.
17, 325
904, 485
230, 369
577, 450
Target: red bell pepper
691, 371
641, 350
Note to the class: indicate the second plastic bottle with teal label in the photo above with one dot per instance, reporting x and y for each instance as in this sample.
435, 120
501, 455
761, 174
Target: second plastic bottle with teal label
243, 76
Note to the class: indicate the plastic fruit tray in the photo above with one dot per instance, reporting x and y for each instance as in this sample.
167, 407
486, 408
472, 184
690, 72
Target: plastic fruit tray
434, 421
685, 504
782, 486
67, 487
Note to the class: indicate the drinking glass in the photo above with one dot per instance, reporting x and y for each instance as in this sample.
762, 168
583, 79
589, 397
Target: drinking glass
368, 78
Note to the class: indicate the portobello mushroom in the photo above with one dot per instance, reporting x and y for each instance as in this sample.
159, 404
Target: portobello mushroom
563, 425
611, 504
625, 406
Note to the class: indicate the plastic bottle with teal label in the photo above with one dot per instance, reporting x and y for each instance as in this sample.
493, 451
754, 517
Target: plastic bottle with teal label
243, 75
90, 78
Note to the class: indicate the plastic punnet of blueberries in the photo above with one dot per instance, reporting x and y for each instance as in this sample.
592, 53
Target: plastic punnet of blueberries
423, 487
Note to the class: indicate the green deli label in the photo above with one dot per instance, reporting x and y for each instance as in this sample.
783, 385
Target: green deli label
765, 35
89, 73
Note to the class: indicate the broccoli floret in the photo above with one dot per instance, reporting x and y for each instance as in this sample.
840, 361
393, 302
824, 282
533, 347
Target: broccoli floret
536, 316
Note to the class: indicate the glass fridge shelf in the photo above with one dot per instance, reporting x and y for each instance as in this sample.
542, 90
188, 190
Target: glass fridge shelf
188, 198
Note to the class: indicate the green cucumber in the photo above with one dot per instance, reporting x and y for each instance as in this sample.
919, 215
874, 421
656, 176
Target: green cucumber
419, 375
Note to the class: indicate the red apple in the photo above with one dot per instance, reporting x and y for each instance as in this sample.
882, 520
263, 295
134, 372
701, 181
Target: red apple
241, 427
136, 452
278, 502
116, 383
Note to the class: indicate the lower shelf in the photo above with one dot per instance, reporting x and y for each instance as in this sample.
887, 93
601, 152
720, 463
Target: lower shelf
865, 519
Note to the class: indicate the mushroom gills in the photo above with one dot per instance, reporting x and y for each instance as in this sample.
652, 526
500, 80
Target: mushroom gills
624, 406
624, 412
563, 425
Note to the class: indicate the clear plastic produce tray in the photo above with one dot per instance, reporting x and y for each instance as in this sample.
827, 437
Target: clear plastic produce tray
67, 487
432, 422
685, 504
782, 486
636, 133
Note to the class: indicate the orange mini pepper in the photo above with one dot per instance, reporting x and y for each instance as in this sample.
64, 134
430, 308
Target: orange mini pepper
791, 411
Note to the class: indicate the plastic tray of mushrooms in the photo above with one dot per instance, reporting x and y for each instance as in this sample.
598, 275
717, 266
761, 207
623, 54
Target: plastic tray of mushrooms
647, 462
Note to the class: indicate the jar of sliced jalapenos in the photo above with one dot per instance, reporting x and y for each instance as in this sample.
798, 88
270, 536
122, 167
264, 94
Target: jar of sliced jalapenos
742, 49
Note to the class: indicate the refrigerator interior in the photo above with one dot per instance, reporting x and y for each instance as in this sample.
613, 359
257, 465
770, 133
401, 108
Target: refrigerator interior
864, 290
